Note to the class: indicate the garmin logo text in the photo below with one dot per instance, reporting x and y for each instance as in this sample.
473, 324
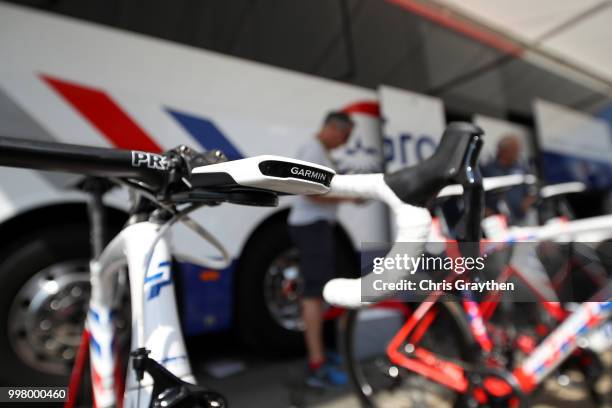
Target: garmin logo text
311, 174
150, 160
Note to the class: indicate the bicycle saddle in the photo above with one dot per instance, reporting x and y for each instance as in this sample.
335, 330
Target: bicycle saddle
451, 163
269, 173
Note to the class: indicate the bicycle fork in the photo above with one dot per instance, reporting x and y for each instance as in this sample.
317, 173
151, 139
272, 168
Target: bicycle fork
155, 323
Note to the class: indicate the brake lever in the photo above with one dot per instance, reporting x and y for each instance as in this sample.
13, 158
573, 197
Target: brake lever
471, 175
468, 229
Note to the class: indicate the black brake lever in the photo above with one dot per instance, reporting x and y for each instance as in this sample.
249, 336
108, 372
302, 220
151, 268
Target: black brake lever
469, 229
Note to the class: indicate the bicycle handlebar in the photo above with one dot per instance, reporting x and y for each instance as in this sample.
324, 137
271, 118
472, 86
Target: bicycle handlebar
95, 161
412, 225
180, 170
407, 192
491, 184
556, 190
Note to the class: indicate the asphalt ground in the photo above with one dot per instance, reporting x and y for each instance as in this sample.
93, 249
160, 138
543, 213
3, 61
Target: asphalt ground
249, 380
278, 383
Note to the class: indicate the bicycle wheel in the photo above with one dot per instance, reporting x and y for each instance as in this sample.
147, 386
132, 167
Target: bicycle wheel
377, 381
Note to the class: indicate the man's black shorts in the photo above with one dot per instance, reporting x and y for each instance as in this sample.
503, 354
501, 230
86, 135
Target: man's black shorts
317, 252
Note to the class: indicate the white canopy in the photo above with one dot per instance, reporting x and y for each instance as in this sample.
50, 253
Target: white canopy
574, 36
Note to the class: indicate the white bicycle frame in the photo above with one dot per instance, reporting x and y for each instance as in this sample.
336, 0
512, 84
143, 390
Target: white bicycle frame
155, 320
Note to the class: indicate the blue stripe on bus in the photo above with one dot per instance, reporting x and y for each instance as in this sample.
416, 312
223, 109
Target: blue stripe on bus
206, 134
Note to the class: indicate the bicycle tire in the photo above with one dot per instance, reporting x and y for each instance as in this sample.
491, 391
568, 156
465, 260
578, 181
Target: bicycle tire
363, 384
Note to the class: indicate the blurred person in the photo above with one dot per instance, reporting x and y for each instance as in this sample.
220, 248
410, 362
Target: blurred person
311, 227
507, 162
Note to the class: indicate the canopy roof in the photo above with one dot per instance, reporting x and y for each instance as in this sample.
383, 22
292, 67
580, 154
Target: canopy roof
573, 34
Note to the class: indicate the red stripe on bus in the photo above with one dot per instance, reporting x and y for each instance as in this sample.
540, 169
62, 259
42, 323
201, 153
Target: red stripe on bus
105, 115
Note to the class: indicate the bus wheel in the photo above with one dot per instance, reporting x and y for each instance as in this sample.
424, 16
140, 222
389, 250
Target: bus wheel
45, 280
269, 288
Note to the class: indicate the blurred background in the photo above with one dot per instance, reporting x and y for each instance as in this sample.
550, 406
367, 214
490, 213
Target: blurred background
256, 77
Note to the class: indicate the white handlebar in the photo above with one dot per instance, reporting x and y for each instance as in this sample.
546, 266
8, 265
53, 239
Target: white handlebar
562, 188
412, 225
491, 184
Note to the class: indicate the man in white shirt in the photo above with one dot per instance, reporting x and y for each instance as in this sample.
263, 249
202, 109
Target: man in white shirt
311, 226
